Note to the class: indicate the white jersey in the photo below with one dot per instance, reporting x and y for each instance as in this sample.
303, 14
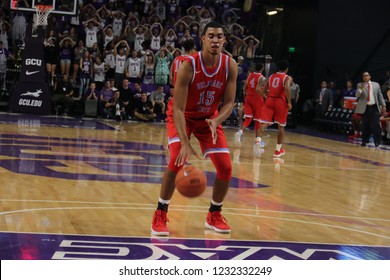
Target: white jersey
107, 39
134, 67
170, 41
91, 36
139, 39
110, 60
117, 24
120, 61
100, 76
155, 43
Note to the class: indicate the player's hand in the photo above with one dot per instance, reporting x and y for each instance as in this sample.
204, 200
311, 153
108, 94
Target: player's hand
213, 127
289, 106
185, 153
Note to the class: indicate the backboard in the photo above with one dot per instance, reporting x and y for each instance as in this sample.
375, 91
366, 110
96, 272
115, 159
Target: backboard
62, 7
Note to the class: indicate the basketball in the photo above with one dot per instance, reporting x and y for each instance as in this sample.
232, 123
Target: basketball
190, 181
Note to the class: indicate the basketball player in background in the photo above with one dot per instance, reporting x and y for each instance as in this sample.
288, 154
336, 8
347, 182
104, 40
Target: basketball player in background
189, 49
254, 101
277, 104
203, 80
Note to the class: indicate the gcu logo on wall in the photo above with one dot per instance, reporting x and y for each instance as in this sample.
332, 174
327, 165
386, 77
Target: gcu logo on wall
33, 61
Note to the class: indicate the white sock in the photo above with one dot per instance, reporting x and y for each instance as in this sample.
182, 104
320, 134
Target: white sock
163, 201
278, 146
240, 131
216, 203
258, 139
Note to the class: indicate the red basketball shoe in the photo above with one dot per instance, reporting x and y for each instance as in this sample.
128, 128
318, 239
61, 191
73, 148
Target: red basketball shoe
159, 223
280, 153
217, 222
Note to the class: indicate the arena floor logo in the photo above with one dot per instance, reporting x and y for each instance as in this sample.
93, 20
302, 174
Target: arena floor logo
50, 246
122, 161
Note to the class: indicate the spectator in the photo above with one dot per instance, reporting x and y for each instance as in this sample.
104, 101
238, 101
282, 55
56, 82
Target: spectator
105, 95
115, 108
156, 31
157, 97
137, 91
78, 55
251, 44
91, 93
120, 60
349, 96
117, 24
66, 53
323, 100
140, 33
149, 68
163, 61
134, 68
86, 65
51, 52
170, 38
99, 73
128, 97
63, 92
144, 108
92, 26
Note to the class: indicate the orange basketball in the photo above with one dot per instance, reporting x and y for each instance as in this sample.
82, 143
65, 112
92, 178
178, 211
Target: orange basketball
191, 181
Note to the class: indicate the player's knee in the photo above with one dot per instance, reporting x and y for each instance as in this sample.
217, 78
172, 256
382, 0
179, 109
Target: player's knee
223, 166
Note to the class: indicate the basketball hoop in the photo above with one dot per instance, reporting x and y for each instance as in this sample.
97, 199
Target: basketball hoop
42, 12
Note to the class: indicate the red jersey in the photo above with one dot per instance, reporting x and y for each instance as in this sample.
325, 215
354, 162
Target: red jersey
276, 85
252, 82
207, 87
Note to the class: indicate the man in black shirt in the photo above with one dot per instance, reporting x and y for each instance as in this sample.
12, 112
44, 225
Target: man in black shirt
144, 108
63, 92
115, 108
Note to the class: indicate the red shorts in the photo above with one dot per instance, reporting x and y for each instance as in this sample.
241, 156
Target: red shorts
253, 107
201, 130
274, 110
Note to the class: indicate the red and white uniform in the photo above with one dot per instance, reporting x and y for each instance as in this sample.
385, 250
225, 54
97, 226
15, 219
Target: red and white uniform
205, 93
253, 101
275, 108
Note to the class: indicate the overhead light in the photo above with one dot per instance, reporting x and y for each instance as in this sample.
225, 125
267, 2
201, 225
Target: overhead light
272, 12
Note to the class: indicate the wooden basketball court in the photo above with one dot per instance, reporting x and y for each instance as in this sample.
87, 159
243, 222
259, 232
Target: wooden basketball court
71, 185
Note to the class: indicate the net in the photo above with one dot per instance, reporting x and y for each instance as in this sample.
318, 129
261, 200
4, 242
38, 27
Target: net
42, 12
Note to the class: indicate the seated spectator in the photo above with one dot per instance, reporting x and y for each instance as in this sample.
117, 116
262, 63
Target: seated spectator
349, 97
63, 92
137, 91
105, 95
128, 97
92, 92
144, 109
115, 108
157, 97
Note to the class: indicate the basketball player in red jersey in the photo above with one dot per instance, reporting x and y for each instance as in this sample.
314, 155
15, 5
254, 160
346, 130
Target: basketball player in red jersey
254, 101
277, 104
202, 81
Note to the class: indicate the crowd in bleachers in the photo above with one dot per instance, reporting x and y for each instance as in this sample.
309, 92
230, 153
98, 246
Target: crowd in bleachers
131, 42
